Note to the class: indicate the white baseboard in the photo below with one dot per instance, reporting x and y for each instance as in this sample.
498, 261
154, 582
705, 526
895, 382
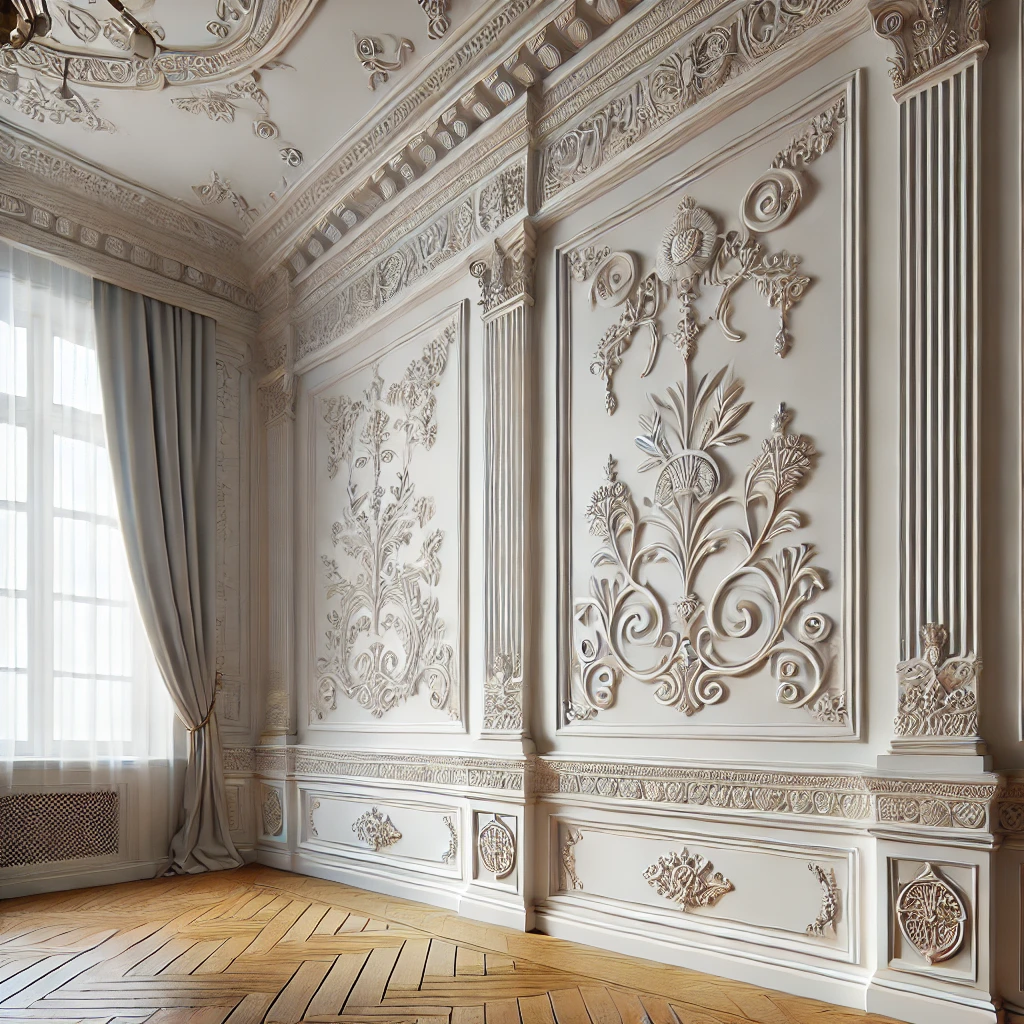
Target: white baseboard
474, 903
699, 953
80, 878
931, 1008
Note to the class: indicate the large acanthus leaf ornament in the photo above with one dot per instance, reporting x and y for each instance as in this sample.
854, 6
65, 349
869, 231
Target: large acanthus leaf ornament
385, 635
684, 643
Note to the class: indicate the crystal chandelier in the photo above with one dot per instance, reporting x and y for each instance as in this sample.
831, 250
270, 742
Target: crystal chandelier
25, 21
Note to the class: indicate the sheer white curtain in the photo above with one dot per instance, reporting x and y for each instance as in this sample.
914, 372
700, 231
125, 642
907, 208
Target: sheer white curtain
78, 682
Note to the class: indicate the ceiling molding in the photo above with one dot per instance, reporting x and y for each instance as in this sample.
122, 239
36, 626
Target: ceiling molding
269, 27
101, 190
43, 223
524, 63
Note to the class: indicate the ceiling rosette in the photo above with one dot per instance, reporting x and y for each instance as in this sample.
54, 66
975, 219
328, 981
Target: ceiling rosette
200, 41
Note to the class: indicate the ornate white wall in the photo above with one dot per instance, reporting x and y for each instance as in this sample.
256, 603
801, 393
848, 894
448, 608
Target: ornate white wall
634, 491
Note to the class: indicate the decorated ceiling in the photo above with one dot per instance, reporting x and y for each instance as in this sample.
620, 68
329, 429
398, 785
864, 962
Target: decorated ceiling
243, 98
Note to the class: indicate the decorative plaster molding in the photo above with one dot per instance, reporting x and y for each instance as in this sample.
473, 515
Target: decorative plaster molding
496, 847
269, 26
273, 813
41, 102
949, 805
332, 302
932, 916
241, 760
830, 901
66, 175
277, 399
503, 693
820, 795
438, 21
570, 881
381, 659
376, 830
926, 34
860, 799
681, 439
506, 276
370, 53
381, 132
585, 260
938, 694
456, 771
314, 805
453, 840
691, 73
479, 100
688, 880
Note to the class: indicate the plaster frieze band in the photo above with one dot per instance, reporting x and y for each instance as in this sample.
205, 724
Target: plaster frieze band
937, 47
683, 78
506, 297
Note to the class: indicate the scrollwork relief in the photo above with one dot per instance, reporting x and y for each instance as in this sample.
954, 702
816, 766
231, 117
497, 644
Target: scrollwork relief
689, 75
273, 812
681, 643
376, 830
506, 275
314, 806
453, 840
496, 845
570, 881
370, 53
938, 694
693, 253
932, 916
386, 634
688, 880
829, 901
585, 260
42, 102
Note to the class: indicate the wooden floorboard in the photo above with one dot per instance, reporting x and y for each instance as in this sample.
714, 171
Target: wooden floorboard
259, 946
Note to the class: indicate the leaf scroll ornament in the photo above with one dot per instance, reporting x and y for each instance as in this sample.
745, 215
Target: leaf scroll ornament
385, 635
687, 644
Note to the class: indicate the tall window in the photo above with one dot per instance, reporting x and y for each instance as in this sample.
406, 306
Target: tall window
77, 677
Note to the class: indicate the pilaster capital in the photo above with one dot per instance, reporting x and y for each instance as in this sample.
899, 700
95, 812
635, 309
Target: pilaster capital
506, 274
277, 398
929, 36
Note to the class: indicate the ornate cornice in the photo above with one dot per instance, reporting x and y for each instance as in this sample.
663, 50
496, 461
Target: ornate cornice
71, 176
927, 34
487, 92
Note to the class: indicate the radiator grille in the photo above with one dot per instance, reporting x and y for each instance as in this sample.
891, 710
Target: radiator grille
37, 828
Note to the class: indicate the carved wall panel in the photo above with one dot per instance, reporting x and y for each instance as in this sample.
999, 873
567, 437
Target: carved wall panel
754, 890
933, 918
382, 827
708, 425
387, 535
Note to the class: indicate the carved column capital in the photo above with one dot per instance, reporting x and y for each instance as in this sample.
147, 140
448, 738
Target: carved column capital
506, 274
927, 35
277, 398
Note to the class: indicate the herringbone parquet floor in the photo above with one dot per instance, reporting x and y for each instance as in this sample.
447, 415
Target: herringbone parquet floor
254, 945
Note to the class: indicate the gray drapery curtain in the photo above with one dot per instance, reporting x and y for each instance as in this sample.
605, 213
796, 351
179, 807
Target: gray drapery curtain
158, 373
